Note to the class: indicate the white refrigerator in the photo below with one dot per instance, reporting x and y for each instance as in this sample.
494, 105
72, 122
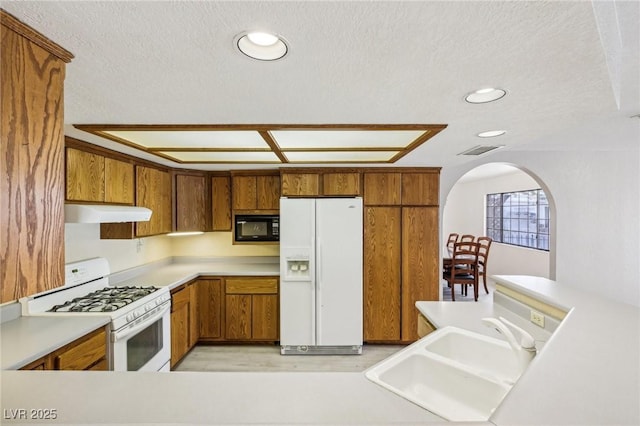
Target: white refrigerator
320, 276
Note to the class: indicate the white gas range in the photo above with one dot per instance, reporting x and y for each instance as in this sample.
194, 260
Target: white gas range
140, 334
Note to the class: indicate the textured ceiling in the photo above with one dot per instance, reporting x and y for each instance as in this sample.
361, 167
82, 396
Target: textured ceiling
350, 62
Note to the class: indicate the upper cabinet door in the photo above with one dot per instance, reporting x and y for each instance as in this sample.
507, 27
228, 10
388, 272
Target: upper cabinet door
382, 189
341, 184
190, 203
244, 193
119, 182
300, 184
85, 176
221, 203
268, 192
420, 189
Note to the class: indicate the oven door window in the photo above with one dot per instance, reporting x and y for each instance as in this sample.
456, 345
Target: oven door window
142, 347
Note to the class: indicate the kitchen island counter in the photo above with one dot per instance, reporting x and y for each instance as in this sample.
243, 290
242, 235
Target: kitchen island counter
208, 398
587, 373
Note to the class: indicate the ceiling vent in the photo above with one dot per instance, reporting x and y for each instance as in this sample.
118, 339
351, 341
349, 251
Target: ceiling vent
480, 149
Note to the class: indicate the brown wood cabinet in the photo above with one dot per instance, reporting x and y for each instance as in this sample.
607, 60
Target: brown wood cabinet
184, 320
300, 184
420, 189
401, 251
86, 353
341, 184
382, 189
255, 191
32, 165
153, 190
94, 178
85, 176
420, 268
190, 203
211, 304
221, 203
382, 281
251, 309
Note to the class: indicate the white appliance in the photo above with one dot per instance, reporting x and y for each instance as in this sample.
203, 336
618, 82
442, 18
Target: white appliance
140, 328
321, 276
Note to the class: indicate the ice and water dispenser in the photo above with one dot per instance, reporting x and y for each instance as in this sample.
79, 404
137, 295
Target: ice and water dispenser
297, 269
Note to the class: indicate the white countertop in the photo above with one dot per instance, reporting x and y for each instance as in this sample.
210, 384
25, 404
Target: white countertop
27, 339
587, 373
183, 270
209, 398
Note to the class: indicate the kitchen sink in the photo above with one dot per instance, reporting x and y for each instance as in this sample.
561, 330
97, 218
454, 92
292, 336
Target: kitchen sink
491, 356
455, 373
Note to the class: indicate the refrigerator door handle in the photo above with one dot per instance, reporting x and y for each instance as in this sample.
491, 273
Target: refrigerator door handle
318, 307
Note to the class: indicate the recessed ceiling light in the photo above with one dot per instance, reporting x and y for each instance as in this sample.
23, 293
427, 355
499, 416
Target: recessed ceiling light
262, 46
485, 95
491, 133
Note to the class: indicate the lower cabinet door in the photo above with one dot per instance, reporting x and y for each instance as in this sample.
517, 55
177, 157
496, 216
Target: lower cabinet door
264, 321
238, 316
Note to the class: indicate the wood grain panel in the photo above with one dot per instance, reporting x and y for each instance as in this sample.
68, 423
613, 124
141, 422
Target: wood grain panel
268, 192
118, 181
300, 184
420, 189
382, 273
244, 192
190, 203
221, 203
264, 318
165, 206
84, 353
210, 299
341, 184
144, 198
420, 279
238, 316
31, 169
194, 318
85, 176
180, 324
382, 189
251, 285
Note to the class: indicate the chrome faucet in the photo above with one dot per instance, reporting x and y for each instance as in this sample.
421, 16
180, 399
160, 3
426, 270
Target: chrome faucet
525, 350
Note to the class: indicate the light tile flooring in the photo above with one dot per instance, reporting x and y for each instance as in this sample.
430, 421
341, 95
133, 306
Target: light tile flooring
267, 357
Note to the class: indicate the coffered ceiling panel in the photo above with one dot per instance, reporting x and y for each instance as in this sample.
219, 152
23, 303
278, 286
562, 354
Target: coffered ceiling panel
213, 144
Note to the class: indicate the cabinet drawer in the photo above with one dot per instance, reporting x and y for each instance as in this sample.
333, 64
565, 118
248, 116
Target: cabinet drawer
251, 285
83, 355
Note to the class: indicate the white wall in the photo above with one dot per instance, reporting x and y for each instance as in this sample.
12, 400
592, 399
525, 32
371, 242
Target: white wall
597, 226
219, 244
464, 213
82, 241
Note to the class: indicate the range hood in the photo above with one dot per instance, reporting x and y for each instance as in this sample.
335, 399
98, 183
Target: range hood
97, 213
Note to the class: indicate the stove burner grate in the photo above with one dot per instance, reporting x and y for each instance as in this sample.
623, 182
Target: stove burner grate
108, 299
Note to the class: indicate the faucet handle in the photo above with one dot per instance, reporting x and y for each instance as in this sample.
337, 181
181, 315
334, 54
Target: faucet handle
526, 340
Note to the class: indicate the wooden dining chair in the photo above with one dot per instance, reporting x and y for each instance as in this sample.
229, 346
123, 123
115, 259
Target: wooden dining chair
464, 270
484, 244
467, 238
453, 238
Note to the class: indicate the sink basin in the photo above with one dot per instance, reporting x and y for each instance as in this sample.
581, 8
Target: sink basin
455, 373
491, 356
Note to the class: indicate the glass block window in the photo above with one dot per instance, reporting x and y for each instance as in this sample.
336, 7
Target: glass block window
519, 218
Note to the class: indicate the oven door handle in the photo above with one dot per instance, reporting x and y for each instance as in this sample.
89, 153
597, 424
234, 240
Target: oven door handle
142, 322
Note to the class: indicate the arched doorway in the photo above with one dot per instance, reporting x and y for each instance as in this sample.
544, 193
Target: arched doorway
465, 212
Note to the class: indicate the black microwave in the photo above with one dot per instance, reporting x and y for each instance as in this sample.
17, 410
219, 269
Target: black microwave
257, 227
